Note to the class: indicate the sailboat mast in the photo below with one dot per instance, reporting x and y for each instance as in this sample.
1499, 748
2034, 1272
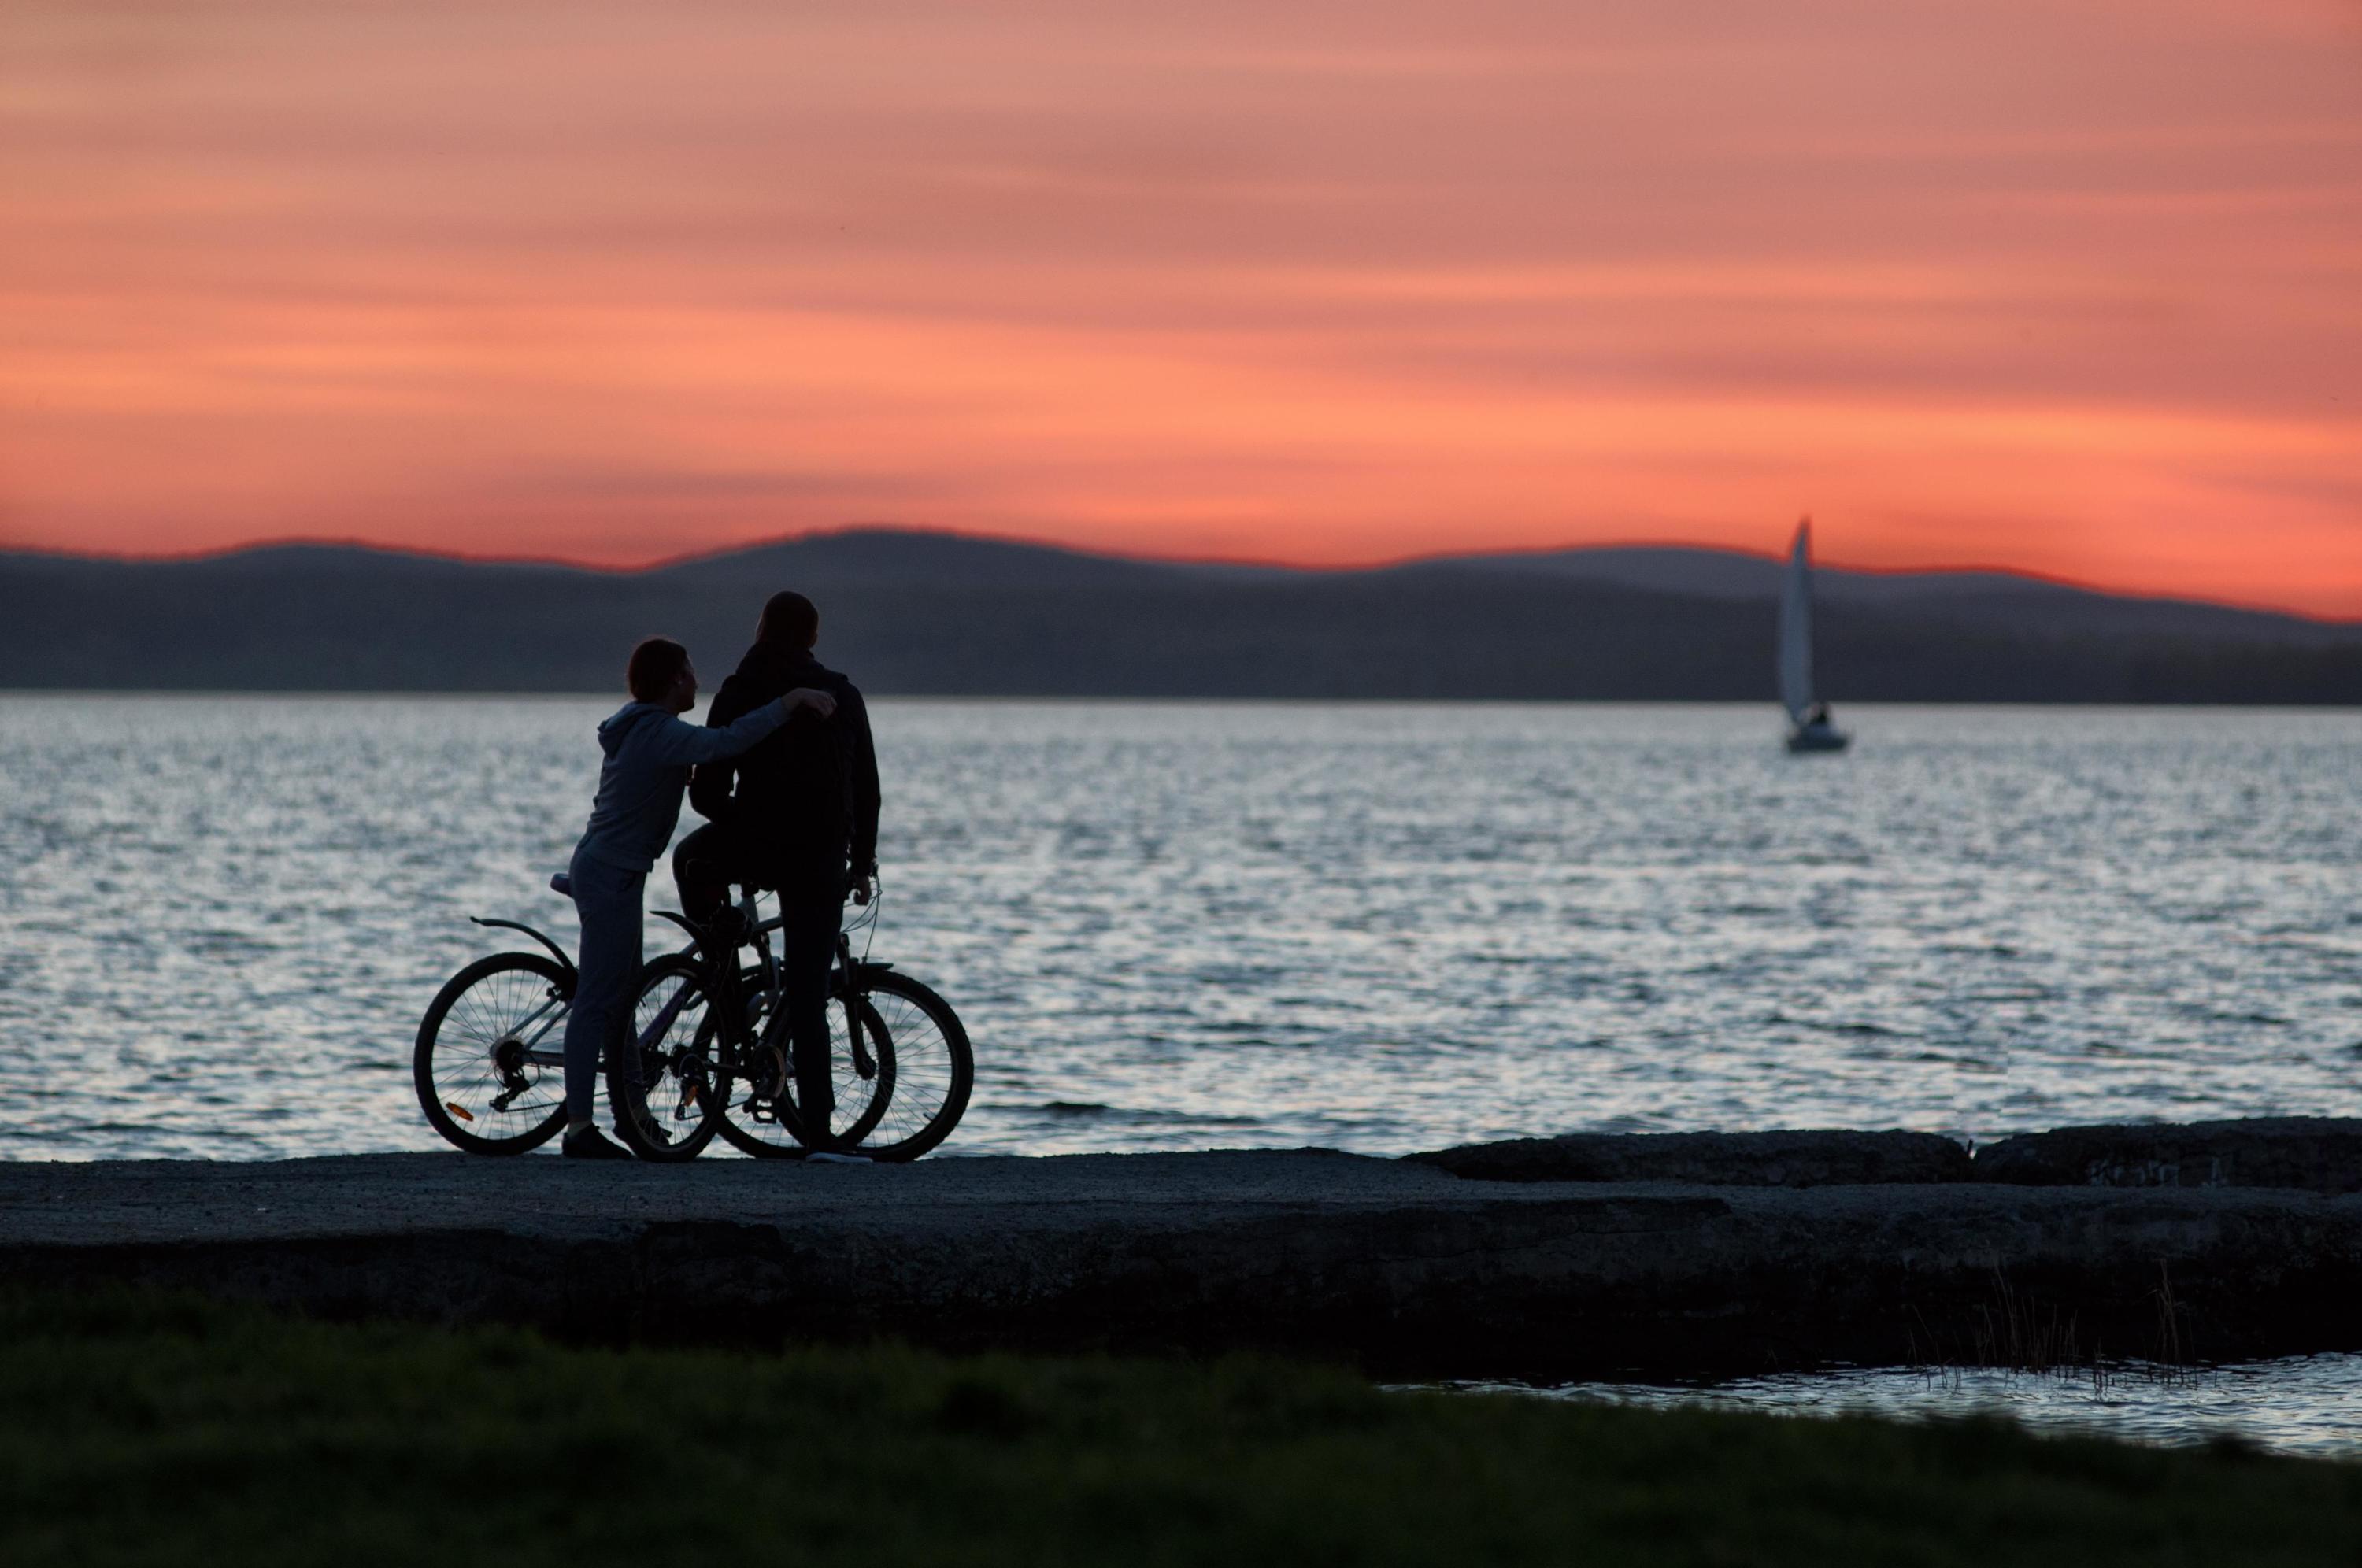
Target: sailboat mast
1796, 627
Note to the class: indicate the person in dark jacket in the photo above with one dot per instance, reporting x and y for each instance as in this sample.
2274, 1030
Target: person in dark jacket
797, 813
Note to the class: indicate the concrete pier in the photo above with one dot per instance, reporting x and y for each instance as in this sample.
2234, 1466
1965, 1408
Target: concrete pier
1400, 1267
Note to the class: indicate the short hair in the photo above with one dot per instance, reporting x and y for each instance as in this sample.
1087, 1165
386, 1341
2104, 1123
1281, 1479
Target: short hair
656, 664
788, 618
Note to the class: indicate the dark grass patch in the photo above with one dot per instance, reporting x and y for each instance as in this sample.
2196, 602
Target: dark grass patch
168, 1430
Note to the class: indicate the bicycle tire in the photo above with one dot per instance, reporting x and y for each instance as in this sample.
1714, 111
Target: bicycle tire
886, 1074
748, 1136
484, 1027
933, 1077
667, 1112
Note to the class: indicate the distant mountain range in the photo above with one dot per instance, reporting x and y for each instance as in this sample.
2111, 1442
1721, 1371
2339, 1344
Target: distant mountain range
918, 613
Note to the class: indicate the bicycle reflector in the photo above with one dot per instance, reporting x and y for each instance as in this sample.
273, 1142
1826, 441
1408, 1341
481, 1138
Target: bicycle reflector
461, 1111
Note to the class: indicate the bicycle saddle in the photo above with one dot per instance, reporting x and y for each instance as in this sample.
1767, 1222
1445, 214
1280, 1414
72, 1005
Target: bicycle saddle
561, 882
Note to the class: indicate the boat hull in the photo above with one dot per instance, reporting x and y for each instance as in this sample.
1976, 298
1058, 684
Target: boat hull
1818, 739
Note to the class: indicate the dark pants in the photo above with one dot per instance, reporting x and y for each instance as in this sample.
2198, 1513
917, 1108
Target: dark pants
608, 967
811, 912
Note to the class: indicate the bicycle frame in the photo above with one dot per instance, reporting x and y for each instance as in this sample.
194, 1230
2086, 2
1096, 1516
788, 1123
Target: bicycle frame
543, 1058
723, 969
553, 1011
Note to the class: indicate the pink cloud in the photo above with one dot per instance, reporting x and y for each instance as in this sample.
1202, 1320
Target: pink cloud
2066, 286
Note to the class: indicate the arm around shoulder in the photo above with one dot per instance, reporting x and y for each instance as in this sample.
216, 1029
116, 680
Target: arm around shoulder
685, 742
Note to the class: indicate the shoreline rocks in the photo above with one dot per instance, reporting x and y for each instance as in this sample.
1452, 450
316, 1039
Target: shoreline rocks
1788, 1158
2309, 1154
1397, 1265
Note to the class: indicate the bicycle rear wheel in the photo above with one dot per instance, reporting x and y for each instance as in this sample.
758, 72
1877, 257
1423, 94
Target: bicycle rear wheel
668, 1111
863, 1076
488, 1062
933, 1071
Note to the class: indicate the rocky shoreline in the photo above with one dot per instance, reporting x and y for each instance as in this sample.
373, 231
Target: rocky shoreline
2309, 1154
1683, 1255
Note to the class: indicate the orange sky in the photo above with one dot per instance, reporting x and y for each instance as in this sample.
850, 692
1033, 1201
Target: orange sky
2070, 285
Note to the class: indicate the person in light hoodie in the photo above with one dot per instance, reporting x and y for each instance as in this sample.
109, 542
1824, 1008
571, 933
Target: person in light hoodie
650, 750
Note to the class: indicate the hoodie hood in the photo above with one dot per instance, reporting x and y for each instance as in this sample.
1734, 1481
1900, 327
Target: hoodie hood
617, 727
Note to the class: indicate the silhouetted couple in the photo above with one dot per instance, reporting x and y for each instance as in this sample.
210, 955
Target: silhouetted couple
787, 776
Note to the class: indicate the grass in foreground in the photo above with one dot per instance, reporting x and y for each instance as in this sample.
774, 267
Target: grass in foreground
167, 1431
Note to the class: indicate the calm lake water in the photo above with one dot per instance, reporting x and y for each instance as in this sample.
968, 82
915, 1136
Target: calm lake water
1172, 925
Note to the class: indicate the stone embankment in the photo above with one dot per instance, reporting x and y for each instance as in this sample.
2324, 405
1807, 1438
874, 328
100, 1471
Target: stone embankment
2301, 1153
2309, 1153
1715, 1159
1685, 1256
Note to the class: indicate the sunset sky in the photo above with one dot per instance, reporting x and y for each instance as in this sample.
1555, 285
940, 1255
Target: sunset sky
2073, 286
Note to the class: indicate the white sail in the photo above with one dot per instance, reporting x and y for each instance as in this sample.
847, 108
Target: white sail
1796, 627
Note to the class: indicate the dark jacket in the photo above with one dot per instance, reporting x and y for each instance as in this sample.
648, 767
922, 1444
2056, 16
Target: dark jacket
807, 797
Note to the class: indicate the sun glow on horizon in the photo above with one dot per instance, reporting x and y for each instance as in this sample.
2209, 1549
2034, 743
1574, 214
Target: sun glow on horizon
2065, 289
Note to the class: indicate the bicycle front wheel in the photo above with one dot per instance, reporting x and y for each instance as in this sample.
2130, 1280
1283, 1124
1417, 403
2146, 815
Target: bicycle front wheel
933, 1072
490, 1063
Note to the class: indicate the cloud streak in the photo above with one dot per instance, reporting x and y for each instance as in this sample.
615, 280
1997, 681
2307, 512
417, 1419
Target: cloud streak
2070, 287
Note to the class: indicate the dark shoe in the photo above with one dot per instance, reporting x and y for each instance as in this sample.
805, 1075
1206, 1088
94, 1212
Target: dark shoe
590, 1144
652, 1132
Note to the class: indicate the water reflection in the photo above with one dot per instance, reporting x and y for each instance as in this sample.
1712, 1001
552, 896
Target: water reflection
2309, 1405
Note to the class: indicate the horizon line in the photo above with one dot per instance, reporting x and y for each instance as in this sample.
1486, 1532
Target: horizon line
664, 563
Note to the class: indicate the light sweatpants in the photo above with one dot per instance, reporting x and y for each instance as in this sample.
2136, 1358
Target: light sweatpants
608, 899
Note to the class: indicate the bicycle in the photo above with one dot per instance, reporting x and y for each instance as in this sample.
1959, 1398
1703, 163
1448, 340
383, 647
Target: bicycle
715, 1059
487, 1075
490, 1077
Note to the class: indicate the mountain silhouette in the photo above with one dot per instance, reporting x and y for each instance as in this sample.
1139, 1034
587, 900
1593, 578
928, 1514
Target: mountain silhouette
908, 611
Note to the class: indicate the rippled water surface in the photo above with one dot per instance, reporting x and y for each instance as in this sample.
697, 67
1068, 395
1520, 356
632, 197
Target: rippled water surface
2299, 1404
1180, 925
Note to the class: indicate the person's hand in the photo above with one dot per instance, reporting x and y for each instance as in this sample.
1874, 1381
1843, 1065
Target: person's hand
819, 701
860, 885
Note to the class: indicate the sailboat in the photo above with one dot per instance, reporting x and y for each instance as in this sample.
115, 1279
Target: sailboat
1809, 725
